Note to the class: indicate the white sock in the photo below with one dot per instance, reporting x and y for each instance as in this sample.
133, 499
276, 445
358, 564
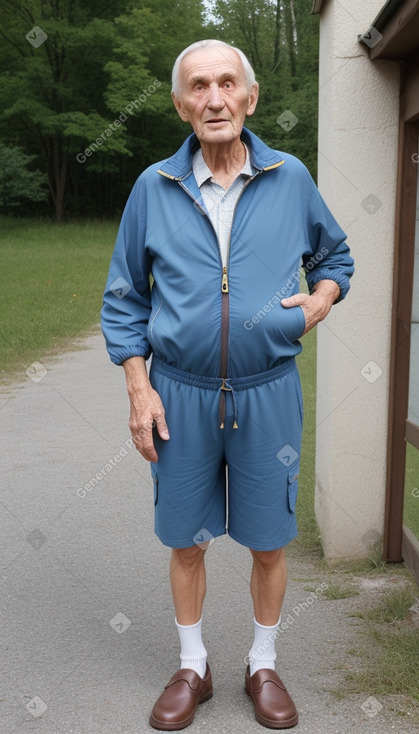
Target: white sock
262, 653
192, 651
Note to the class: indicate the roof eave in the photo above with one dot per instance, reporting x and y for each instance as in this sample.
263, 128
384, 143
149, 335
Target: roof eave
386, 13
317, 4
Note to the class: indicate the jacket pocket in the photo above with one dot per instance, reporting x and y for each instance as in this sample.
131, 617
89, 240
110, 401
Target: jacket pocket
300, 322
292, 323
155, 478
293, 487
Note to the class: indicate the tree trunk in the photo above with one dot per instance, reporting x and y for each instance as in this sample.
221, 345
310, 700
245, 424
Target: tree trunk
290, 33
61, 186
57, 174
277, 34
255, 40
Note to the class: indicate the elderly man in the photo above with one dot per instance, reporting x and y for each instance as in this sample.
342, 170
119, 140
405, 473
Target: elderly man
222, 227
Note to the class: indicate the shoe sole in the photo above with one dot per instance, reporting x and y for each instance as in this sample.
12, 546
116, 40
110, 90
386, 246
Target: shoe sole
177, 725
269, 723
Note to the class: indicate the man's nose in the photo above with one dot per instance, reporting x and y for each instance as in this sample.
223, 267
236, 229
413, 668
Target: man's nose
215, 100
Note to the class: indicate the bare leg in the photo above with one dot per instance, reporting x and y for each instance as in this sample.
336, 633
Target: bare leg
268, 582
188, 581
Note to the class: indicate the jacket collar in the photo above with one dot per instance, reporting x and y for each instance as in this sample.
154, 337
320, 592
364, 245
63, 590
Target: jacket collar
179, 165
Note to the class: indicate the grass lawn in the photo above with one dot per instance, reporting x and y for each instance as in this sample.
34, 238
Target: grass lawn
389, 653
51, 285
308, 538
411, 490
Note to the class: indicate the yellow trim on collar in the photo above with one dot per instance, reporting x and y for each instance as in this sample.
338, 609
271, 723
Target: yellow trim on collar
167, 175
275, 165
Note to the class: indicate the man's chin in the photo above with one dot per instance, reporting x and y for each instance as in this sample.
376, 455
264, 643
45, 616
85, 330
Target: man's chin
218, 136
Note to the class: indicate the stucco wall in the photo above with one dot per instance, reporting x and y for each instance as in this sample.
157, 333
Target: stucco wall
358, 139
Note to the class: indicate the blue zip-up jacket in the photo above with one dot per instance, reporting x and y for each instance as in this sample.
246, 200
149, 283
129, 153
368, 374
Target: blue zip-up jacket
194, 316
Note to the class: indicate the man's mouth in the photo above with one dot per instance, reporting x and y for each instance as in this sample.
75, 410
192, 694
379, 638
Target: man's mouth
216, 120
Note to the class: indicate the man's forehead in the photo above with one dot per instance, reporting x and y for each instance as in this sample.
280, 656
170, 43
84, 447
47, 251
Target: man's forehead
208, 61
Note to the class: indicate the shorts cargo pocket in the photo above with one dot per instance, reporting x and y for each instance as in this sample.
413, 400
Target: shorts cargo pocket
155, 478
293, 488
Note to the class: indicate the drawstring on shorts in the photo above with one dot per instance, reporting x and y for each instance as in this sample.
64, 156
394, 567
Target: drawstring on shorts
226, 387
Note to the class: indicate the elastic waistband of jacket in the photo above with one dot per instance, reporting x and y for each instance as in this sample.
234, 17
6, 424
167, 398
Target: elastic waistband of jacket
215, 383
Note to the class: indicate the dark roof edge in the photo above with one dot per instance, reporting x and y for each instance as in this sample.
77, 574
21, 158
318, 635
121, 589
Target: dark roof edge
384, 16
316, 7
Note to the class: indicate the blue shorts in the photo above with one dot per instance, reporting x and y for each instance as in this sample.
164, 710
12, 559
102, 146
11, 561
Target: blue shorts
260, 458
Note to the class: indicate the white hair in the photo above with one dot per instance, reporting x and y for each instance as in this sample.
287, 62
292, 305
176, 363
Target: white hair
248, 70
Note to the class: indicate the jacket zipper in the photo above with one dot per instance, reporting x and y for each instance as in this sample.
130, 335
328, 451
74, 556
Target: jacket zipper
225, 301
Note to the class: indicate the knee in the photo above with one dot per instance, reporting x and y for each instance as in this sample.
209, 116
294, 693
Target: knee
188, 558
269, 560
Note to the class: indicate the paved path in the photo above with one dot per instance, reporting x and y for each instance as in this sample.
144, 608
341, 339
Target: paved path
88, 635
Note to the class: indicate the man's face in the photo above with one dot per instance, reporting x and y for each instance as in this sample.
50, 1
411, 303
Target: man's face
214, 96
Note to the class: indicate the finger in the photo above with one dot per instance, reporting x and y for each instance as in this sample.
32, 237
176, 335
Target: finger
298, 300
162, 427
145, 446
143, 440
150, 455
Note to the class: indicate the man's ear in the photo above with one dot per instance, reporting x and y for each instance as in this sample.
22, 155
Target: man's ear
179, 106
253, 99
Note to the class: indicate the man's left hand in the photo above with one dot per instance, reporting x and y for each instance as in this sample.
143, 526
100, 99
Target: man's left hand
317, 305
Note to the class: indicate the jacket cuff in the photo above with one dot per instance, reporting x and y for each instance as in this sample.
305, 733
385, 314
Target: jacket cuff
326, 274
119, 355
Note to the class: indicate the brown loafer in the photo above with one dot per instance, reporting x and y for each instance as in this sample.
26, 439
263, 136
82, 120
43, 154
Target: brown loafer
274, 706
175, 708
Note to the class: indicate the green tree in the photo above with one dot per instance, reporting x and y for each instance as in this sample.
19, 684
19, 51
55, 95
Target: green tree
18, 184
48, 100
70, 87
150, 38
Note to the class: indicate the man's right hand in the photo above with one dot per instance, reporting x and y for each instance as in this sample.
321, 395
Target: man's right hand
147, 409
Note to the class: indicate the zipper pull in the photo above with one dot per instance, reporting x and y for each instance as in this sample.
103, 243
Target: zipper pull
224, 282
